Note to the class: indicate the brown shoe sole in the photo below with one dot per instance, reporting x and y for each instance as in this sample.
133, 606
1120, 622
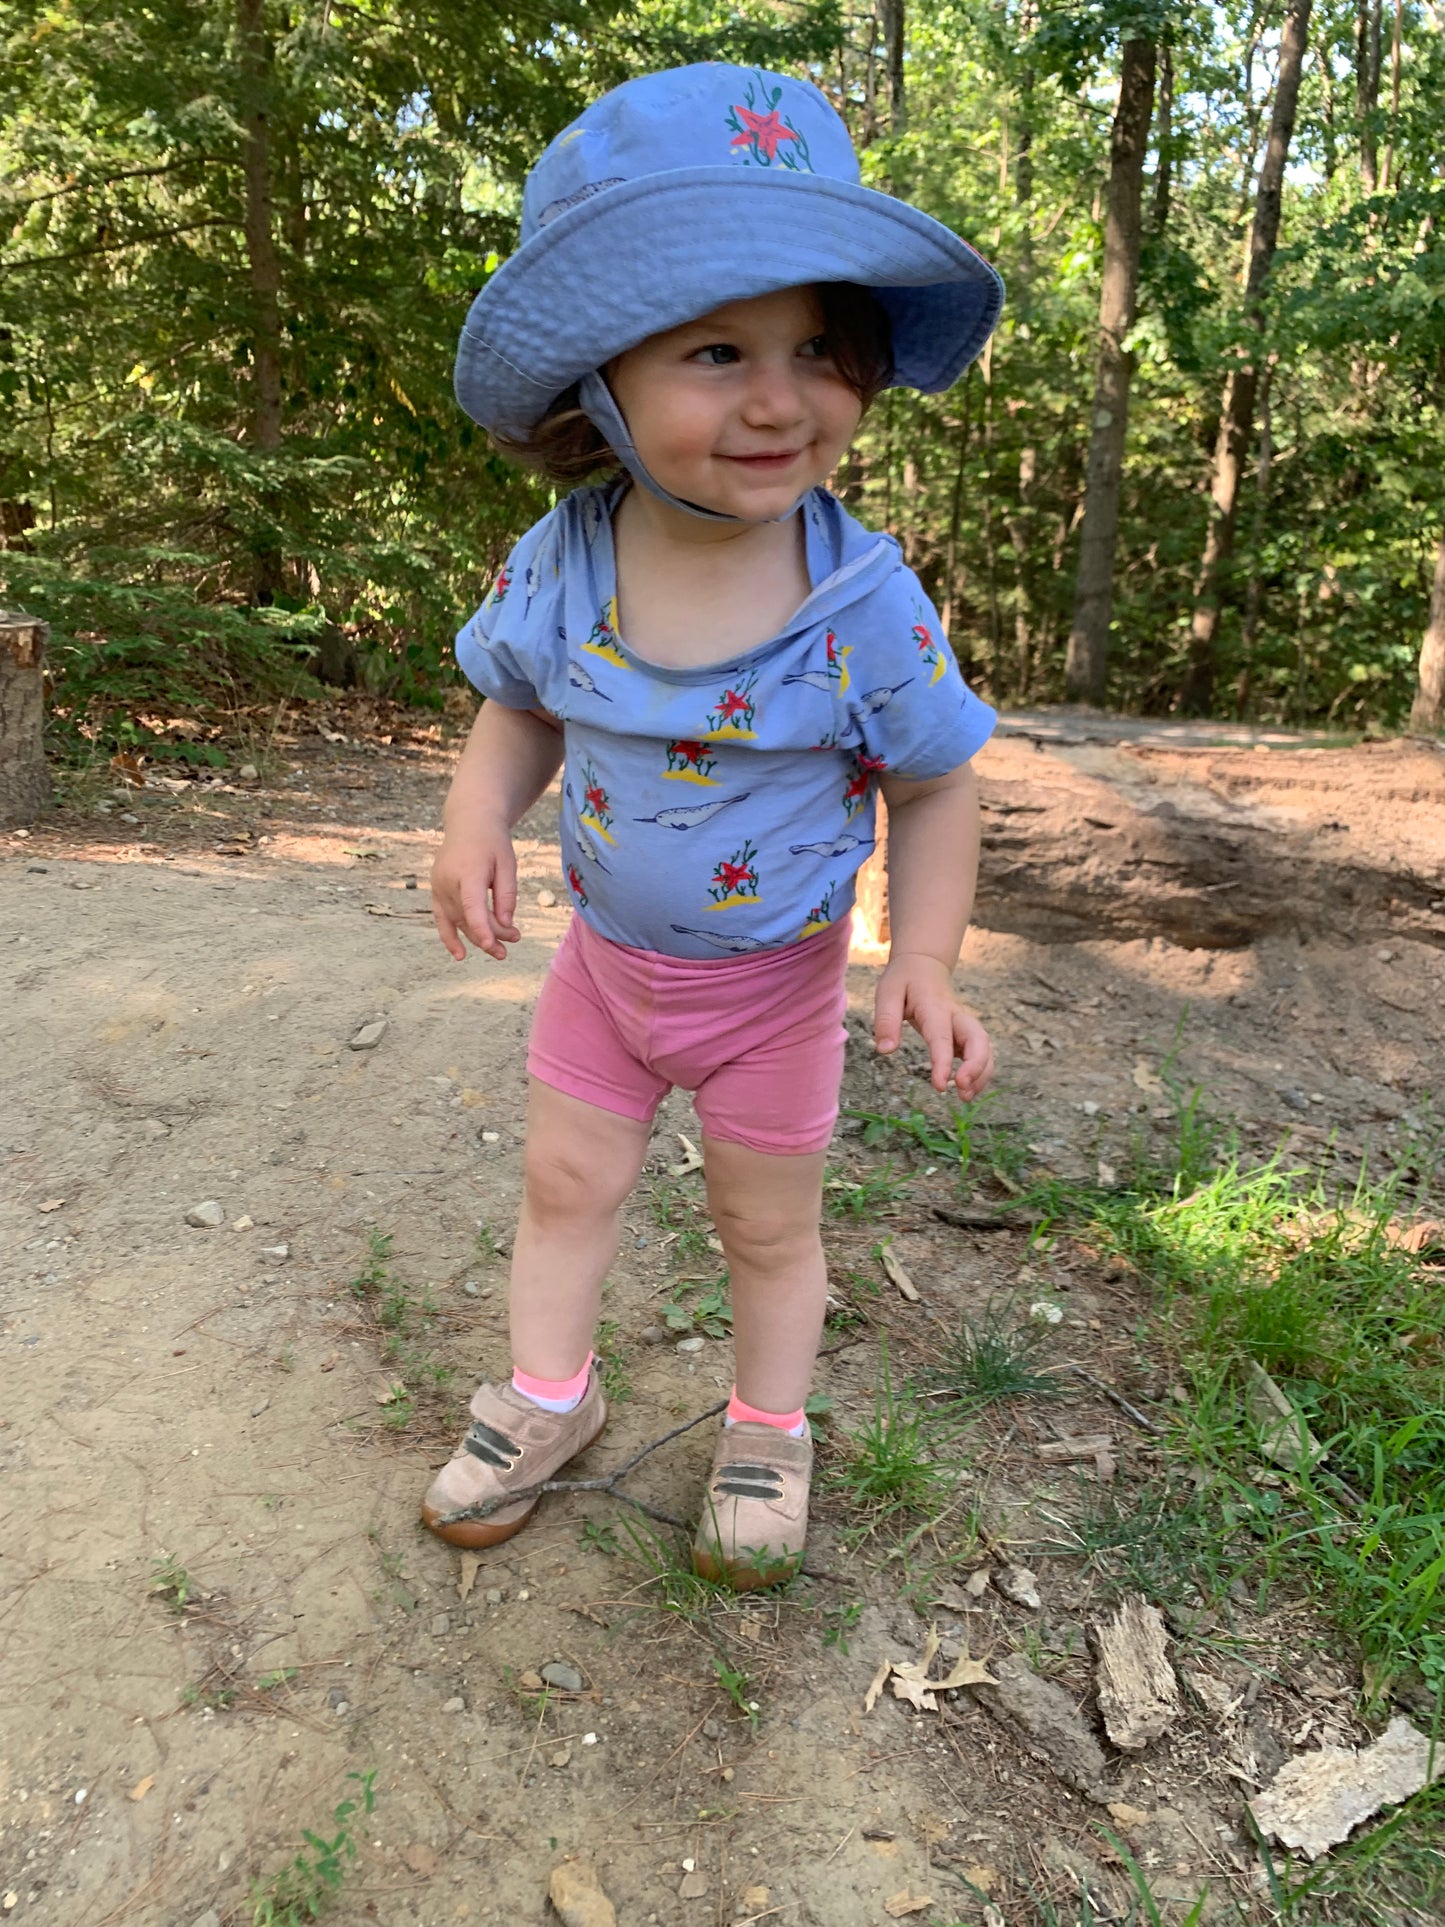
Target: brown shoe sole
742, 1577
475, 1534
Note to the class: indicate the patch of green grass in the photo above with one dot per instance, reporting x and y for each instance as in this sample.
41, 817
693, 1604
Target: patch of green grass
666, 1568
675, 1208
894, 1464
310, 1882
612, 1363
407, 1317
739, 1689
600, 1537
869, 1197
372, 1275
486, 1245
170, 1581
966, 1138
992, 1358
839, 1622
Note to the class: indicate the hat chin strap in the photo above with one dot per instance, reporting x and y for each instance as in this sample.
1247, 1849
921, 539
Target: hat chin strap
599, 405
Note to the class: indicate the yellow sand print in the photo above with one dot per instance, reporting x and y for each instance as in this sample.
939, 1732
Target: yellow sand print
603, 639
690, 776
939, 670
601, 828
735, 901
844, 678
728, 734
812, 929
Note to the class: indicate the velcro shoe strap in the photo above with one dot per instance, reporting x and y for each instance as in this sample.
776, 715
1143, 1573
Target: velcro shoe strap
493, 1448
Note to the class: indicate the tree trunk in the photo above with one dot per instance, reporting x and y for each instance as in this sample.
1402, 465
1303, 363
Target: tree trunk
894, 34
1387, 176
1087, 666
1163, 137
1020, 520
1427, 715
24, 778
1237, 415
1368, 37
263, 264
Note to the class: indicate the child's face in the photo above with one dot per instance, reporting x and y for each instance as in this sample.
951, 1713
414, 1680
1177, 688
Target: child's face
741, 411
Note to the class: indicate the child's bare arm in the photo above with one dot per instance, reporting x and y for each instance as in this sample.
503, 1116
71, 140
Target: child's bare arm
932, 874
510, 758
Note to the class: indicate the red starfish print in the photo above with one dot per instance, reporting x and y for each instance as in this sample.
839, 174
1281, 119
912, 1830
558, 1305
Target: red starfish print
575, 880
596, 799
832, 642
857, 787
729, 875
871, 765
732, 704
690, 752
921, 636
766, 130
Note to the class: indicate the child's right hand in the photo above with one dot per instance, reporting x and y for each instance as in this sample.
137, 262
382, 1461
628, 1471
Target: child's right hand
474, 890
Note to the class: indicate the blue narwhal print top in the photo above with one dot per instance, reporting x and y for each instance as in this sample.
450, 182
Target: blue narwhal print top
718, 811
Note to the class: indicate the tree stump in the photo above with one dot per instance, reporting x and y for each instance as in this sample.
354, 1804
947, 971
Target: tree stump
24, 779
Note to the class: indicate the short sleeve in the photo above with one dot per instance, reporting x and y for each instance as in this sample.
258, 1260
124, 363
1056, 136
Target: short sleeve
912, 713
494, 647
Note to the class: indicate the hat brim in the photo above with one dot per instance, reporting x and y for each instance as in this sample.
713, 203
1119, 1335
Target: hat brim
652, 253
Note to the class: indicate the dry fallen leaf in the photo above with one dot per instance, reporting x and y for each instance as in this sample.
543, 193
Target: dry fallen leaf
906, 1903
1126, 1815
421, 1858
965, 1672
897, 1273
691, 1158
909, 1688
143, 1787
50, 1204
1146, 1079
329, 1363
984, 1878
1414, 1237
471, 1563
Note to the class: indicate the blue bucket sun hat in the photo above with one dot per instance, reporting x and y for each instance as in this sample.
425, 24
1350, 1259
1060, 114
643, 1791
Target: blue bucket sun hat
682, 190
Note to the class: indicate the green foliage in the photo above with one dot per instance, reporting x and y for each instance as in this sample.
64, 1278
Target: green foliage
993, 1358
306, 1887
170, 1581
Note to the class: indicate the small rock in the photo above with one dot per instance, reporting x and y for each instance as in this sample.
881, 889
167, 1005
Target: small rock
690, 1344
529, 1681
494, 1595
1385, 956
206, 1217
369, 1036
491, 1137
712, 1729
1019, 1586
243, 1224
279, 1252
210, 1918
695, 1886
564, 1677
336, 1698
259, 1407
248, 772
441, 1625
471, 1288
561, 1757
1126, 1815
977, 1582
576, 1895
654, 1335
752, 1900
342, 1706
546, 899
454, 1705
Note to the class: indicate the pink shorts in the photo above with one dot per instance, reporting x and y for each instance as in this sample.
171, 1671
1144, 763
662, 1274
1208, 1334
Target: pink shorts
758, 1040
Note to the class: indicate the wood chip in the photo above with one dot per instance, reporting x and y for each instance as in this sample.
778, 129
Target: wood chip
691, 1158
143, 1787
907, 1902
893, 1265
1138, 1693
1317, 1801
467, 1578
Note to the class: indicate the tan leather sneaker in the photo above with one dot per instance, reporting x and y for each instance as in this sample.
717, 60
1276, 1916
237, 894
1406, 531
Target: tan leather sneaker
755, 1511
511, 1444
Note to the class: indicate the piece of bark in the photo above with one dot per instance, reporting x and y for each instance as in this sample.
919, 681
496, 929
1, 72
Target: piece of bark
1047, 1721
1317, 1800
577, 1897
1138, 1693
1065, 1451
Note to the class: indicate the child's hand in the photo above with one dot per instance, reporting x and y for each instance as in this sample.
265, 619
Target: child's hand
469, 869
918, 989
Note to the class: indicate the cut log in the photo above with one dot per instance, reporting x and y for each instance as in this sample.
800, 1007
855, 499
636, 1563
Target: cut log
24, 779
1138, 1693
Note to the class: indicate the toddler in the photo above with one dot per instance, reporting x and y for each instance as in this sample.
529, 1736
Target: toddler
726, 666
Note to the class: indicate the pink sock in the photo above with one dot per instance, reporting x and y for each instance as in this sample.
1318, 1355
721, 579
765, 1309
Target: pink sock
553, 1394
794, 1424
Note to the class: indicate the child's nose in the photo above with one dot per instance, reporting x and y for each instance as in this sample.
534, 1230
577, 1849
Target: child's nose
774, 397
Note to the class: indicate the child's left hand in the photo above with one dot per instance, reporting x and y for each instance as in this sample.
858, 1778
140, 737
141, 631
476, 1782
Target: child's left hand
918, 989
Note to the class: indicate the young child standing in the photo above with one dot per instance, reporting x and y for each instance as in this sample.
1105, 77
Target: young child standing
727, 666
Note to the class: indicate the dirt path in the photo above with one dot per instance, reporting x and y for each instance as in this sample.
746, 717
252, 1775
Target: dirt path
215, 1601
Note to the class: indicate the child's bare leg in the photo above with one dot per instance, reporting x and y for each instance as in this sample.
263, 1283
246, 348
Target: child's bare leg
767, 1209
581, 1166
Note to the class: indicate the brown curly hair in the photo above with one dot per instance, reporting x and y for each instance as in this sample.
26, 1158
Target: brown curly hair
566, 446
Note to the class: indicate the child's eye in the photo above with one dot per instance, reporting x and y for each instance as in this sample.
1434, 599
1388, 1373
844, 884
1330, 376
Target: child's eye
816, 349
717, 354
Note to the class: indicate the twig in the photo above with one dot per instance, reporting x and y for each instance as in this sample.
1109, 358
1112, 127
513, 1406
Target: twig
608, 1484
1129, 1411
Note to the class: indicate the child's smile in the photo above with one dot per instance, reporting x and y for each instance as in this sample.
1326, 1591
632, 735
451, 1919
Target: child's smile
742, 410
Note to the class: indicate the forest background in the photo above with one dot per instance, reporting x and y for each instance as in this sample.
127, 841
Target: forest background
1198, 470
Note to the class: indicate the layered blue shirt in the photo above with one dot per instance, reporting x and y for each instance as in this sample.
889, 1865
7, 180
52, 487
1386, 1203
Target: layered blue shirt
723, 810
